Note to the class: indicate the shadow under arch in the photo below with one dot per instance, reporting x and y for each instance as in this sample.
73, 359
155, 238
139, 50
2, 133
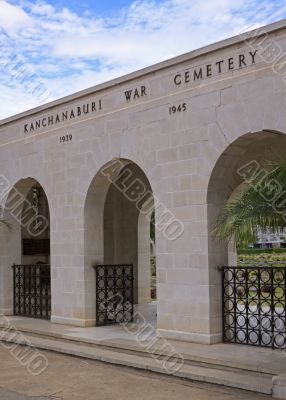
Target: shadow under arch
224, 180
116, 230
26, 209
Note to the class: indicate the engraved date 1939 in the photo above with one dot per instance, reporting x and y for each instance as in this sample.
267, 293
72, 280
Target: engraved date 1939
66, 138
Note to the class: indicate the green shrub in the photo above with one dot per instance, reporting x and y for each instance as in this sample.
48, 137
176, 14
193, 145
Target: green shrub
272, 259
259, 251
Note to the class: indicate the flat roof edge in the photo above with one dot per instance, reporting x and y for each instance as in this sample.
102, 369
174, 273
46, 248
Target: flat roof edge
270, 28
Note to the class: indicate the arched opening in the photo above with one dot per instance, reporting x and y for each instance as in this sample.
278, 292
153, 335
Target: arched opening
226, 179
118, 211
25, 290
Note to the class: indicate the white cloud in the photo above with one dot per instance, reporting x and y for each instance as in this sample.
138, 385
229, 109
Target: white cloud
42, 9
15, 100
12, 18
71, 51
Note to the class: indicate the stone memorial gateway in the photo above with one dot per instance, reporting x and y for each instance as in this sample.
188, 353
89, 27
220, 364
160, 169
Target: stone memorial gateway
81, 176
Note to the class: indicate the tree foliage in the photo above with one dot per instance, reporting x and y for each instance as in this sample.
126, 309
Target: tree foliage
262, 204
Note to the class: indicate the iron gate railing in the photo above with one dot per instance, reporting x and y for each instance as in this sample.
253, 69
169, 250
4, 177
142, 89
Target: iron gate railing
114, 294
254, 306
32, 291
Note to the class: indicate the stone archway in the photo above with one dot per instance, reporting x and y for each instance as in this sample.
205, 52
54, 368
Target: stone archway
117, 224
27, 242
224, 181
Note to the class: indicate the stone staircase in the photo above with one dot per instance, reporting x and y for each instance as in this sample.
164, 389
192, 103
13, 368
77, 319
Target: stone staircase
201, 369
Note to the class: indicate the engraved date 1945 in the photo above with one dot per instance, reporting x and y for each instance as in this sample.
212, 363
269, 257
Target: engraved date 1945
178, 108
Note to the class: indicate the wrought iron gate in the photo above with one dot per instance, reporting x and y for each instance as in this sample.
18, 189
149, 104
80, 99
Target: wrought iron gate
114, 294
32, 291
254, 306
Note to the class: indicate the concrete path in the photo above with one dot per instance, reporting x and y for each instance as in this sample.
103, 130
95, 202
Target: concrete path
71, 378
11, 395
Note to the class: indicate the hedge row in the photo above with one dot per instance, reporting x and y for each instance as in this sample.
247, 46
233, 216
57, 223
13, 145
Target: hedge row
261, 251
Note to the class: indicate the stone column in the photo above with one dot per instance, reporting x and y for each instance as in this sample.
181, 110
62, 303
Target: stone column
144, 260
72, 272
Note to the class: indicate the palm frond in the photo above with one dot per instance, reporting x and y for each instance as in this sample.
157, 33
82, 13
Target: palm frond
262, 204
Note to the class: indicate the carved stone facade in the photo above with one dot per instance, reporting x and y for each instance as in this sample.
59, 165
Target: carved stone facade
183, 134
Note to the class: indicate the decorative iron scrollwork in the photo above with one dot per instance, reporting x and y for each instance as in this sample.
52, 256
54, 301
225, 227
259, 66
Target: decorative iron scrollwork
114, 294
254, 310
32, 291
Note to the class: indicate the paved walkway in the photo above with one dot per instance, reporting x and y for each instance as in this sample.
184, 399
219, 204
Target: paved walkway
70, 378
11, 395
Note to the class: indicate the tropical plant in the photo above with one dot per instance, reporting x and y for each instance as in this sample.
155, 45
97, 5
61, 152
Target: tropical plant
261, 205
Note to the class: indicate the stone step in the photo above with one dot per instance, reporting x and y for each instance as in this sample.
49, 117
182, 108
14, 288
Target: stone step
194, 358
246, 380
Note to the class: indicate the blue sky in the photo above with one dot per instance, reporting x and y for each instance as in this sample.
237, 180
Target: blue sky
51, 48
85, 7
102, 8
